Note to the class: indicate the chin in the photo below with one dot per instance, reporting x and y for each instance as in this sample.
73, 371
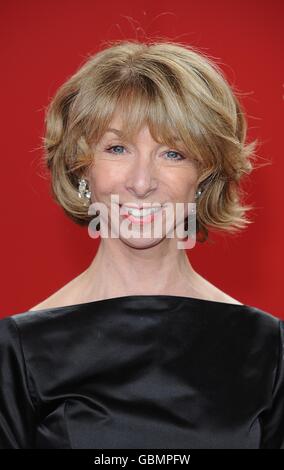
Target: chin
141, 243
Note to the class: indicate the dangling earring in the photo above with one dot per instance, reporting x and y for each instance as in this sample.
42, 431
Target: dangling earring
83, 192
197, 195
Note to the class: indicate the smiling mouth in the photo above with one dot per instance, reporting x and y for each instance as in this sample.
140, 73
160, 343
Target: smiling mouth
143, 215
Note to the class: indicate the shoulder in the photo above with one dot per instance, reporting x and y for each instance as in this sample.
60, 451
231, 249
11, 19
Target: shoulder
263, 319
38, 322
45, 341
272, 416
68, 294
35, 334
263, 332
209, 291
17, 396
8, 332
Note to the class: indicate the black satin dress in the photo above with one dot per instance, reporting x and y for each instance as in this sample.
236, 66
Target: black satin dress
142, 372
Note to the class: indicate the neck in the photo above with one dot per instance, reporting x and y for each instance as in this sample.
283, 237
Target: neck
119, 270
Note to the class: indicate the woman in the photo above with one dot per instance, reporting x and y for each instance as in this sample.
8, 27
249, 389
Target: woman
139, 350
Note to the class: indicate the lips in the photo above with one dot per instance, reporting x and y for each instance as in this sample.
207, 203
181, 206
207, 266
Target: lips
143, 214
141, 206
139, 211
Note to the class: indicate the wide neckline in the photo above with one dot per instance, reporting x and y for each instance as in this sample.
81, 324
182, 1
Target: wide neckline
144, 297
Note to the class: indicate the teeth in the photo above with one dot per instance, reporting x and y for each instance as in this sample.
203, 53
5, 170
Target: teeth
142, 212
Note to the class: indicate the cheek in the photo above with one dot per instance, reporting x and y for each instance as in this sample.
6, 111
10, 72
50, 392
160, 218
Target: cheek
181, 184
104, 179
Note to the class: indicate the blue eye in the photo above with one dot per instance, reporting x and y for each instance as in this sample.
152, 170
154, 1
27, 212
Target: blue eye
115, 146
176, 153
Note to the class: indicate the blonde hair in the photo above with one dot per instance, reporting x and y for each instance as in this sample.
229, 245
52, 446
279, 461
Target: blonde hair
178, 92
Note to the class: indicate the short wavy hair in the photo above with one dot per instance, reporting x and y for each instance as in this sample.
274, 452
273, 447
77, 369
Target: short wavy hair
180, 93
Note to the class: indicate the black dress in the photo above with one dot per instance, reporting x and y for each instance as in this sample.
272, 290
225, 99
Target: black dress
142, 372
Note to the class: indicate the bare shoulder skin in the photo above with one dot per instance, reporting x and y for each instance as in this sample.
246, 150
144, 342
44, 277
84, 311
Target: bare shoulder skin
71, 293
66, 295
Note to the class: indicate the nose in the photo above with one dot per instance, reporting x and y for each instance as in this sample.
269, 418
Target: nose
142, 179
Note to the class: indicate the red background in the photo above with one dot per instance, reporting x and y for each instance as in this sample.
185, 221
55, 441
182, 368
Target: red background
42, 44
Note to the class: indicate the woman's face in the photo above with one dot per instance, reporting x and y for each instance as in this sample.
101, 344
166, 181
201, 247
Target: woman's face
140, 172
